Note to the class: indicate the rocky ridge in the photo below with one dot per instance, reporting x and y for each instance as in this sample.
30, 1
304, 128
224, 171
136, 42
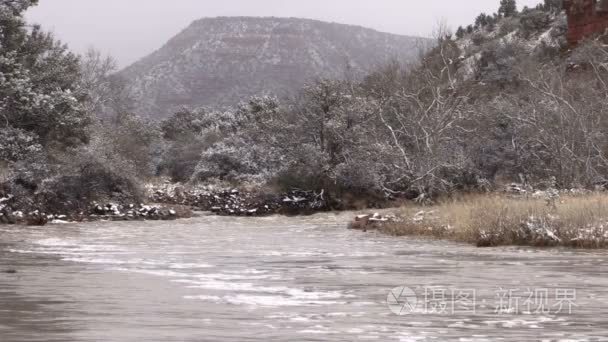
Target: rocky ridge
223, 61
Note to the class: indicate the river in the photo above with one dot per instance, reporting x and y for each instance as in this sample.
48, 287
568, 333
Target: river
288, 279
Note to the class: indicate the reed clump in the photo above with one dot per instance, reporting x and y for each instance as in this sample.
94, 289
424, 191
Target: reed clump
579, 221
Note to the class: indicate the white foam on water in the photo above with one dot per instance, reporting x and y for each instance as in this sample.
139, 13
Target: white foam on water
345, 314
317, 329
300, 319
364, 303
261, 324
464, 325
66, 253
221, 285
254, 300
265, 300
215, 299
104, 254
181, 253
218, 282
251, 294
72, 247
111, 261
271, 253
406, 337
61, 222
24, 251
96, 248
368, 254
248, 271
223, 276
311, 331
96, 261
527, 323
55, 242
296, 317
182, 266
259, 300
320, 253
303, 294
160, 273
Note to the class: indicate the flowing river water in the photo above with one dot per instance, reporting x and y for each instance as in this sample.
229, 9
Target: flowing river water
288, 279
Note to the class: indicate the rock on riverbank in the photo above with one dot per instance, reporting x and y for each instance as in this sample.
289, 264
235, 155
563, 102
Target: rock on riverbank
9, 214
371, 221
234, 202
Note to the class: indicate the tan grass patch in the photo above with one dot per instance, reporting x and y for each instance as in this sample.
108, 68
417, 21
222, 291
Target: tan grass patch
496, 219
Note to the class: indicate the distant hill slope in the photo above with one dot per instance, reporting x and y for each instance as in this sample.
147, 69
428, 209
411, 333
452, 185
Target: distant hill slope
222, 61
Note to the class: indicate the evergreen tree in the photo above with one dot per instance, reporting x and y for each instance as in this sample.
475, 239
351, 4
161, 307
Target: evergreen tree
552, 5
491, 25
39, 93
482, 20
507, 8
460, 32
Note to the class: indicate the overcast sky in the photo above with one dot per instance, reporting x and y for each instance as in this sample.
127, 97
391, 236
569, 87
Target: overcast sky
130, 29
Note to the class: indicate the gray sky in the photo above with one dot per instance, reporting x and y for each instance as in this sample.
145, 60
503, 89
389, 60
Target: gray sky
130, 29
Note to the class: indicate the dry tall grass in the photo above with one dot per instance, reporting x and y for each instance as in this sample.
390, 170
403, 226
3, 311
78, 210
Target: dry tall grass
492, 220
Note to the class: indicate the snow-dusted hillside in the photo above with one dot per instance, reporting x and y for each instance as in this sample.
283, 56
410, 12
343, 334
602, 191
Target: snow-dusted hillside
488, 53
222, 61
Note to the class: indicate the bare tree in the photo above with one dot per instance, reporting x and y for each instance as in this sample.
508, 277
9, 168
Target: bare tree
108, 94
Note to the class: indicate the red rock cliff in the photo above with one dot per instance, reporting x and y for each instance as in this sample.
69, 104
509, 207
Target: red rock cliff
585, 18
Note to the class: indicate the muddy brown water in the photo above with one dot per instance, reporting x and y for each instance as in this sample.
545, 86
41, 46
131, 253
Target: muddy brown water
288, 279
